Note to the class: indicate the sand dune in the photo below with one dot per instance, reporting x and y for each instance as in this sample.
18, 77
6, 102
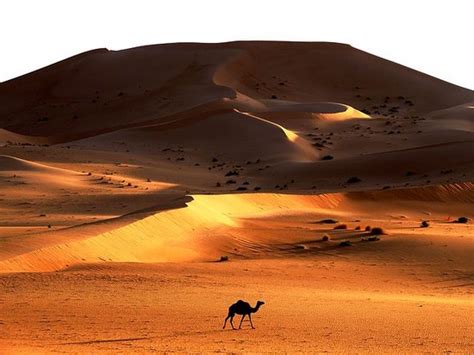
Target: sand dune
126, 175
188, 234
162, 80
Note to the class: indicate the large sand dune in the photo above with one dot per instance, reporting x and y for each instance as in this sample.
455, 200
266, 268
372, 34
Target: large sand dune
130, 173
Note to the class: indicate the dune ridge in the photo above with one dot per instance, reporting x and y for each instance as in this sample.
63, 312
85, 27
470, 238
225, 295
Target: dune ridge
179, 235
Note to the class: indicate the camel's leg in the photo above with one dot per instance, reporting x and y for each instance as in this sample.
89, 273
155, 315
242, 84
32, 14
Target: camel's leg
251, 324
232, 322
225, 322
241, 320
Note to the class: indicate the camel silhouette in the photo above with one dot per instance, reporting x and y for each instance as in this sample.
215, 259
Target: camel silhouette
243, 308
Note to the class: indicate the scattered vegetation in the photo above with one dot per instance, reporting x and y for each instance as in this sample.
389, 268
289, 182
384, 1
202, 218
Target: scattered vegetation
327, 157
328, 221
462, 220
424, 224
367, 228
377, 231
345, 243
223, 258
353, 180
341, 226
232, 173
325, 238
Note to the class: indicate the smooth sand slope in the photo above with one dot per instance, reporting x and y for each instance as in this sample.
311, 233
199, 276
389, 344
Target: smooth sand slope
126, 175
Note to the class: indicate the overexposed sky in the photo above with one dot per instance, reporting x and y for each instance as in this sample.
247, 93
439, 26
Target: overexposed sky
435, 37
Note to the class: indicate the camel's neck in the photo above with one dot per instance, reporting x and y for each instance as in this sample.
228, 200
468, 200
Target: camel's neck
255, 309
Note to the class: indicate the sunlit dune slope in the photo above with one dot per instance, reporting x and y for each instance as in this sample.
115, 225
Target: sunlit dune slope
330, 111
212, 224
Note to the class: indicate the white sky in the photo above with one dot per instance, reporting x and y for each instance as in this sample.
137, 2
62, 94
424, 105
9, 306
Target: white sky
436, 37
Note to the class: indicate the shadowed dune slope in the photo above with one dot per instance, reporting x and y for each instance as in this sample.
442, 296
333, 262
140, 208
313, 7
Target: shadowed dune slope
230, 135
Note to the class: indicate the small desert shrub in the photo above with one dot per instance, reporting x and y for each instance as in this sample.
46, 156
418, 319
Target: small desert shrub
232, 172
377, 231
327, 157
345, 243
368, 228
353, 180
357, 228
224, 258
462, 220
341, 226
325, 238
328, 221
424, 224
241, 188
257, 188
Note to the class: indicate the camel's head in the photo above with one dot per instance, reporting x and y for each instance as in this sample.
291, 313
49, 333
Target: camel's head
259, 303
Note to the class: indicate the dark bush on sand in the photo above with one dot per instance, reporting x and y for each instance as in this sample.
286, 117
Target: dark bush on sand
327, 221
377, 231
345, 243
353, 180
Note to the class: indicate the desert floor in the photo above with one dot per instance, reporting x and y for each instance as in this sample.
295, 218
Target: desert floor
412, 291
